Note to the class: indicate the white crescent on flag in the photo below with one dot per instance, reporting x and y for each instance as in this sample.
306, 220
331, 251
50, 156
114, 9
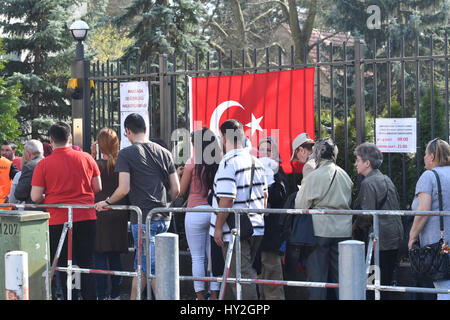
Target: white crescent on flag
217, 114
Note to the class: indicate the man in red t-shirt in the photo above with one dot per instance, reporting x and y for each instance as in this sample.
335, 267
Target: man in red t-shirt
69, 177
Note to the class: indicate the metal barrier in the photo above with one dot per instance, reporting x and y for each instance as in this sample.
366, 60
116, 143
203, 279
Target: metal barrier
238, 280
67, 229
373, 246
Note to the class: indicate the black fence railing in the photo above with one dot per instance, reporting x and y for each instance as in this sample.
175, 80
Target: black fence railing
355, 83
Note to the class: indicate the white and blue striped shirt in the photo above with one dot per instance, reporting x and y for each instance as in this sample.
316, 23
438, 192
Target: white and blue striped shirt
232, 180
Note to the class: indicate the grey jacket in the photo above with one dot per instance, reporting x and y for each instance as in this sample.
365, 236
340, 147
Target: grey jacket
23, 188
317, 192
373, 191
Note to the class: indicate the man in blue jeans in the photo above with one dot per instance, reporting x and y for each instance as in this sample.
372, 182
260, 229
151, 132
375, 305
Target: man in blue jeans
147, 174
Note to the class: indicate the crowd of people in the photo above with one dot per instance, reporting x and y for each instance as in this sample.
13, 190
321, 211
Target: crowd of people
241, 176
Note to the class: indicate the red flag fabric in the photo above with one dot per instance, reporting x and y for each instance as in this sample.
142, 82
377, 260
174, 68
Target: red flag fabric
278, 104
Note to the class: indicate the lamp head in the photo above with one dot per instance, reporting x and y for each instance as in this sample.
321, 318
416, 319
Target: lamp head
79, 30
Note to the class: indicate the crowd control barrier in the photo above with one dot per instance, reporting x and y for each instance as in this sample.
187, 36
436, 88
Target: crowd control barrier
68, 228
373, 248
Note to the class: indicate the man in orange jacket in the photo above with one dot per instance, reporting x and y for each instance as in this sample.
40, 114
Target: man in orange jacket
7, 172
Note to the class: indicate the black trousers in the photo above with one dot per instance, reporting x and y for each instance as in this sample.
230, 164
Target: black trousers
388, 261
322, 265
83, 242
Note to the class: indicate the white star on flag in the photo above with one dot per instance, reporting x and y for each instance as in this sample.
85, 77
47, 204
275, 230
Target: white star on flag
255, 124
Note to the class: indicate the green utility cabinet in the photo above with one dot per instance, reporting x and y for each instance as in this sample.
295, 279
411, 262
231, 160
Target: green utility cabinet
27, 231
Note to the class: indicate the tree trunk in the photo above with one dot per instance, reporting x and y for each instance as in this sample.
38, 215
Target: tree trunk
301, 36
239, 16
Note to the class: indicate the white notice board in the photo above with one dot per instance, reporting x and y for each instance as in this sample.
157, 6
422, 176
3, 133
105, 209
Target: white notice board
396, 135
134, 98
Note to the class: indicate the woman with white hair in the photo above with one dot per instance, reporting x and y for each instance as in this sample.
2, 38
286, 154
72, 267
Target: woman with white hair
377, 192
33, 153
326, 187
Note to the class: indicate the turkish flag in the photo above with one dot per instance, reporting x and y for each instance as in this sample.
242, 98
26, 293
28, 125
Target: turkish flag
278, 104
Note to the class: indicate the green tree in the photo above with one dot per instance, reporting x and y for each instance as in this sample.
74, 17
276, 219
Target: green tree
399, 18
159, 27
9, 104
439, 125
37, 32
107, 43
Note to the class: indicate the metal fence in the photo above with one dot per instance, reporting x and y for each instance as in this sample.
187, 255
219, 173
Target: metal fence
68, 230
373, 248
355, 84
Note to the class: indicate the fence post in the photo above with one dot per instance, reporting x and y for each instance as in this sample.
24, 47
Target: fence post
165, 114
167, 267
352, 277
359, 94
16, 275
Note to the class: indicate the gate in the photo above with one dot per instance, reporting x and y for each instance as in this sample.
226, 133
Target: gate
355, 83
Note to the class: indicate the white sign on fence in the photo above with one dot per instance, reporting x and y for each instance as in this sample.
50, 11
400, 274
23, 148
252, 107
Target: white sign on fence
134, 98
396, 134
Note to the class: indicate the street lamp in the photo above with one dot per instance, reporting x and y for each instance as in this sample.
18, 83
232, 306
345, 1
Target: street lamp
79, 83
79, 30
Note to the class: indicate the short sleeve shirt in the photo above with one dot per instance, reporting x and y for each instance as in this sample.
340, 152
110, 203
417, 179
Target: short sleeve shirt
149, 165
198, 193
66, 176
232, 180
427, 183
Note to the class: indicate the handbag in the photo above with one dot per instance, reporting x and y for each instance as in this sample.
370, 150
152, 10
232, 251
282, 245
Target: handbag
246, 227
431, 261
302, 228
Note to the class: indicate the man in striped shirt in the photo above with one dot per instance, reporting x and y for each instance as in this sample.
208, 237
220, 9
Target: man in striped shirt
232, 190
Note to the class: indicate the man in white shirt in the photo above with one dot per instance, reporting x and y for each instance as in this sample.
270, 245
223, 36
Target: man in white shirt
232, 190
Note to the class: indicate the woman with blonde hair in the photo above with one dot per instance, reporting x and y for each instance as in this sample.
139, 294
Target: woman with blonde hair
426, 229
111, 233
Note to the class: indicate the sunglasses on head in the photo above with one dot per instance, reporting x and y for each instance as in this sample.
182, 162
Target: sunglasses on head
432, 145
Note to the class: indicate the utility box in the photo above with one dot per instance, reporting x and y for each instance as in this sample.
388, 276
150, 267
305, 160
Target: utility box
27, 231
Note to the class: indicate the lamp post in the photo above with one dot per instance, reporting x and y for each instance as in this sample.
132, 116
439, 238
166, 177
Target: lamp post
79, 30
81, 110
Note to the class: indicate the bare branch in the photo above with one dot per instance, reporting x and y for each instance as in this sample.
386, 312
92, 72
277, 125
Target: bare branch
322, 40
216, 46
218, 28
281, 3
260, 16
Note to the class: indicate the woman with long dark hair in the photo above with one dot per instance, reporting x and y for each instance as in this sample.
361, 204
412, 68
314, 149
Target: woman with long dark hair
198, 177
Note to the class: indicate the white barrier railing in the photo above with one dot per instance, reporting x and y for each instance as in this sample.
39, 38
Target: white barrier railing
238, 280
373, 246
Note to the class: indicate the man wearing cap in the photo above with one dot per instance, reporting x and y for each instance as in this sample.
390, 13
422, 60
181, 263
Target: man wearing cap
302, 147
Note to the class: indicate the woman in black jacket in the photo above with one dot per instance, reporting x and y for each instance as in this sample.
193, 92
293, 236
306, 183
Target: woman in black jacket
377, 192
270, 254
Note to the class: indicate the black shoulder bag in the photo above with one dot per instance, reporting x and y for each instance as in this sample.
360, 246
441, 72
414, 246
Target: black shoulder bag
430, 261
246, 227
302, 233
